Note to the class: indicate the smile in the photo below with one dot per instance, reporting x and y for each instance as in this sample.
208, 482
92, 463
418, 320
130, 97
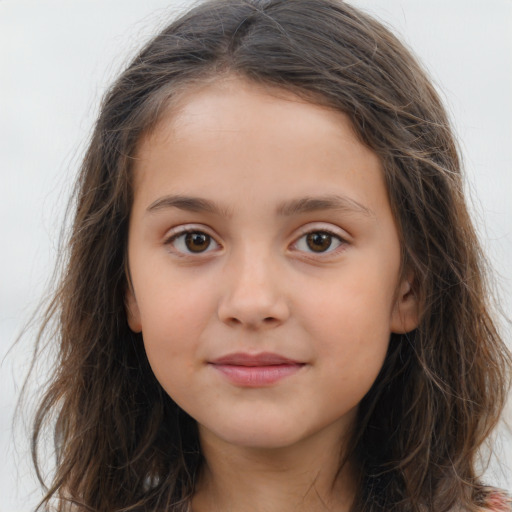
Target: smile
256, 370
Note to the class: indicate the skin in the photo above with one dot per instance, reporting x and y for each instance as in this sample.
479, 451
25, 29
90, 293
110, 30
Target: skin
248, 156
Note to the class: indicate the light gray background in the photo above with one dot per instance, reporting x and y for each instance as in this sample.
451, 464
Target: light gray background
56, 59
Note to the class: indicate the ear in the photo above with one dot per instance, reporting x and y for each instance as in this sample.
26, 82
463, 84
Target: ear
132, 310
406, 311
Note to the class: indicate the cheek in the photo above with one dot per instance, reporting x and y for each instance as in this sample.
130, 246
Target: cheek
351, 321
355, 306
353, 351
172, 326
171, 356
169, 303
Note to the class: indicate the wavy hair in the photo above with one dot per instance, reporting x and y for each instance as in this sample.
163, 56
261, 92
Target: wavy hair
122, 444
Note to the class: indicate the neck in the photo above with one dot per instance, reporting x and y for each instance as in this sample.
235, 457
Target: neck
299, 478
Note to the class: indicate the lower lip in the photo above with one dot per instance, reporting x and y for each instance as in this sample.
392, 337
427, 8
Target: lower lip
257, 376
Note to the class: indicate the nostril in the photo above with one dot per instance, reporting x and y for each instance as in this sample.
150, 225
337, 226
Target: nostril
269, 319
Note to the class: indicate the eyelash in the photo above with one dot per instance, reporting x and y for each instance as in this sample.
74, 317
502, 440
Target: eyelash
185, 251
341, 242
189, 232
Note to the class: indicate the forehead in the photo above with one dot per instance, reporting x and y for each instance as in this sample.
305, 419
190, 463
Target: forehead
250, 135
195, 104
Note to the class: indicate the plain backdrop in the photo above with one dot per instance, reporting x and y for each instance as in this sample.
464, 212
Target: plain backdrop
56, 60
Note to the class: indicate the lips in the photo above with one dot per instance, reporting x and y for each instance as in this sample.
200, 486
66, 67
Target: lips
255, 370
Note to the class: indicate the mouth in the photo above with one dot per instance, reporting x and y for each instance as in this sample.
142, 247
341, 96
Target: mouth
255, 370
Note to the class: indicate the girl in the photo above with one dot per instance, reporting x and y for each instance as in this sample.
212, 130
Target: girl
274, 297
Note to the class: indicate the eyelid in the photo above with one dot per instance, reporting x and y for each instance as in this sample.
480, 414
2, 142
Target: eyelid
326, 227
318, 227
181, 230
187, 228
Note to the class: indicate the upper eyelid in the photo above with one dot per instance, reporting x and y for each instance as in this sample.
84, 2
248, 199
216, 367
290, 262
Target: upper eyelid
332, 229
171, 238
173, 234
321, 227
182, 229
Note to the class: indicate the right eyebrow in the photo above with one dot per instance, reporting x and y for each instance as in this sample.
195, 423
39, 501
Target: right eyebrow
187, 203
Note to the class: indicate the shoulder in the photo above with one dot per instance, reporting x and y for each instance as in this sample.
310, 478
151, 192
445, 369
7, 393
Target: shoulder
498, 501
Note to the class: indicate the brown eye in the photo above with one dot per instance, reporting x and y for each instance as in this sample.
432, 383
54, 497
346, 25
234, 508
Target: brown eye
319, 241
197, 241
192, 242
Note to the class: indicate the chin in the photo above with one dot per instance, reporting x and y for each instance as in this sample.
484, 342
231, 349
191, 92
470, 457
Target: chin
258, 436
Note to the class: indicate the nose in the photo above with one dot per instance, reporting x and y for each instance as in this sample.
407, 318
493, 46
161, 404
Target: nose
253, 295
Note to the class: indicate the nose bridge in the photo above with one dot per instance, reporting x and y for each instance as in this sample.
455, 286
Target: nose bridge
253, 295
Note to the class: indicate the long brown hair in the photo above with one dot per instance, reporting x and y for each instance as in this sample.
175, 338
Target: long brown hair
122, 444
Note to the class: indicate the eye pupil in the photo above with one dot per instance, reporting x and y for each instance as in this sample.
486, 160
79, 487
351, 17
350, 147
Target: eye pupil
319, 241
197, 242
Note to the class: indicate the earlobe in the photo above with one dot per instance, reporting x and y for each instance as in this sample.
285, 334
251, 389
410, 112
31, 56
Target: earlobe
132, 310
406, 312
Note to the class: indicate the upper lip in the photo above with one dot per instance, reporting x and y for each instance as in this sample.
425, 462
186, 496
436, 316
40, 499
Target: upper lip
262, 359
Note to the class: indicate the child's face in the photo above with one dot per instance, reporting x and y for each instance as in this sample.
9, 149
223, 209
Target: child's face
265, 264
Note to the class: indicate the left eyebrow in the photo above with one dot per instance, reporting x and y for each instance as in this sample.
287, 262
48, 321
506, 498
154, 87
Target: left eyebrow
330, 202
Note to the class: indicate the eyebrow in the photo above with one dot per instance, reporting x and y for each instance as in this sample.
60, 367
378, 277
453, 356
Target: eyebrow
287, 208
187, 203
329, 202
